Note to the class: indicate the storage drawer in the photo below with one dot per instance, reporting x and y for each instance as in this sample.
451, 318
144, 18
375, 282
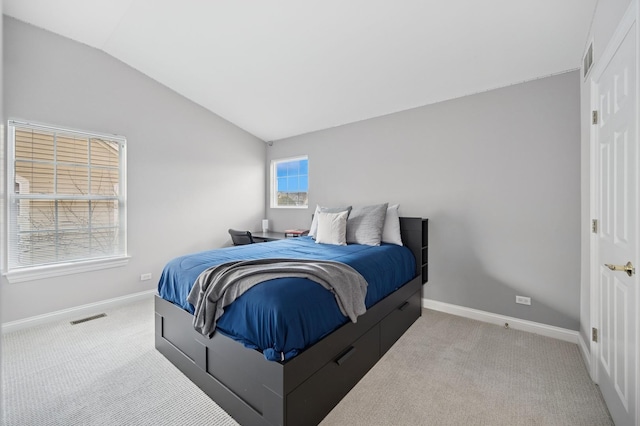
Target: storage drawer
310, 402
396, 323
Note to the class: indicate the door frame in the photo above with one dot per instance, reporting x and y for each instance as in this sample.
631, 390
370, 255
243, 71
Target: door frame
630, 18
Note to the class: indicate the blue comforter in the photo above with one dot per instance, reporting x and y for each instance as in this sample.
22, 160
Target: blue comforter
281, 317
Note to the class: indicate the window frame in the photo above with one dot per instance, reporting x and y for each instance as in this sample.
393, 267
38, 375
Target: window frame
273, 196
63, 267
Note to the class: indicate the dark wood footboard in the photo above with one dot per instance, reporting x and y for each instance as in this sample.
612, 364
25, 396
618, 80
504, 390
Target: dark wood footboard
302, 390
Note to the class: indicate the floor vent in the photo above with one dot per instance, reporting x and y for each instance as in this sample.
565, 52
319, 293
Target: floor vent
88, 319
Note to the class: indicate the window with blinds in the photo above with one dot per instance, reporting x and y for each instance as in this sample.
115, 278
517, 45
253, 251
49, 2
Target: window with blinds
66, 199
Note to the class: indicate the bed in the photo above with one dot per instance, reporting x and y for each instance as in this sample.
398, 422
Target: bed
286, 384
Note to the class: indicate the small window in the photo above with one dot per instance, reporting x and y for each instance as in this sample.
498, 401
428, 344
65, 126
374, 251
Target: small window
67, 200
290, 183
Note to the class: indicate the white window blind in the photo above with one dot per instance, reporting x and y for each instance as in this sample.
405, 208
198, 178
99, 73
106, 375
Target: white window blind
66, 196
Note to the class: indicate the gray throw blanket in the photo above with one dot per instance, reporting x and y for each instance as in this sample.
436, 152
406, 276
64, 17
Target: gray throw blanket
220, 285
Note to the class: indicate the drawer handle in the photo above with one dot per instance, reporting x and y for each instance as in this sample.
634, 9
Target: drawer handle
343, 358
404, 306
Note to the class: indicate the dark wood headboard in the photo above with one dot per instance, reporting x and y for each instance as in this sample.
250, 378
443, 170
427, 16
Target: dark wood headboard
415, 235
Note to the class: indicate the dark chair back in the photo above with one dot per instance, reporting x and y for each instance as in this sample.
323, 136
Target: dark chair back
240, 237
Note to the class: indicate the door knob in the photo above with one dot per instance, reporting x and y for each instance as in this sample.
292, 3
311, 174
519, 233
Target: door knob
628, 268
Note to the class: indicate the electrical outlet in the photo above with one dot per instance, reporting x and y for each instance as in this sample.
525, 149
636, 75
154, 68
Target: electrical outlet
145, 277
523, 300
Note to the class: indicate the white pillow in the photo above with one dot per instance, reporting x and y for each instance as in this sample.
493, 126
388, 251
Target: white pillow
391, 230
332, 228
314, 223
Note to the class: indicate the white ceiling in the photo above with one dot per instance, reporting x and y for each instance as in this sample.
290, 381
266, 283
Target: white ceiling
280, 68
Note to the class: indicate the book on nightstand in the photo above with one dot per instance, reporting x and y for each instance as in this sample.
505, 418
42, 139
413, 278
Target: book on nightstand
290, 233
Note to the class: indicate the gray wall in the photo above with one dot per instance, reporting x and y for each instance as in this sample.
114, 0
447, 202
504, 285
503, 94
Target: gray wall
191, 174
2, 166
498, 175
604, 23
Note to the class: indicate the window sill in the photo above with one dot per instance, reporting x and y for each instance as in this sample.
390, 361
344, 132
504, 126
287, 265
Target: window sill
41, 272
289, 207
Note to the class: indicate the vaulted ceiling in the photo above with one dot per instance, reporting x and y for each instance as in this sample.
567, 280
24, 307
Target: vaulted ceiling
279, 68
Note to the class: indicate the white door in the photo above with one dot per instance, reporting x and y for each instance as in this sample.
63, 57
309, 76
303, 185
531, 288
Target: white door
616, 159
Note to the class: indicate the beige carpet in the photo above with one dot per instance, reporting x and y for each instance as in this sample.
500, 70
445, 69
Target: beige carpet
102, 372
448, 370
445, 370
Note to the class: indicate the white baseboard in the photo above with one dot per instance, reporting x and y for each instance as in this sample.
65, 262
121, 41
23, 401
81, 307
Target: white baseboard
75, 312
515, 323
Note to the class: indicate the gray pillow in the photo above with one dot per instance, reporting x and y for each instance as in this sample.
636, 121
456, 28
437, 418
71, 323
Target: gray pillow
314, 223
365, 224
